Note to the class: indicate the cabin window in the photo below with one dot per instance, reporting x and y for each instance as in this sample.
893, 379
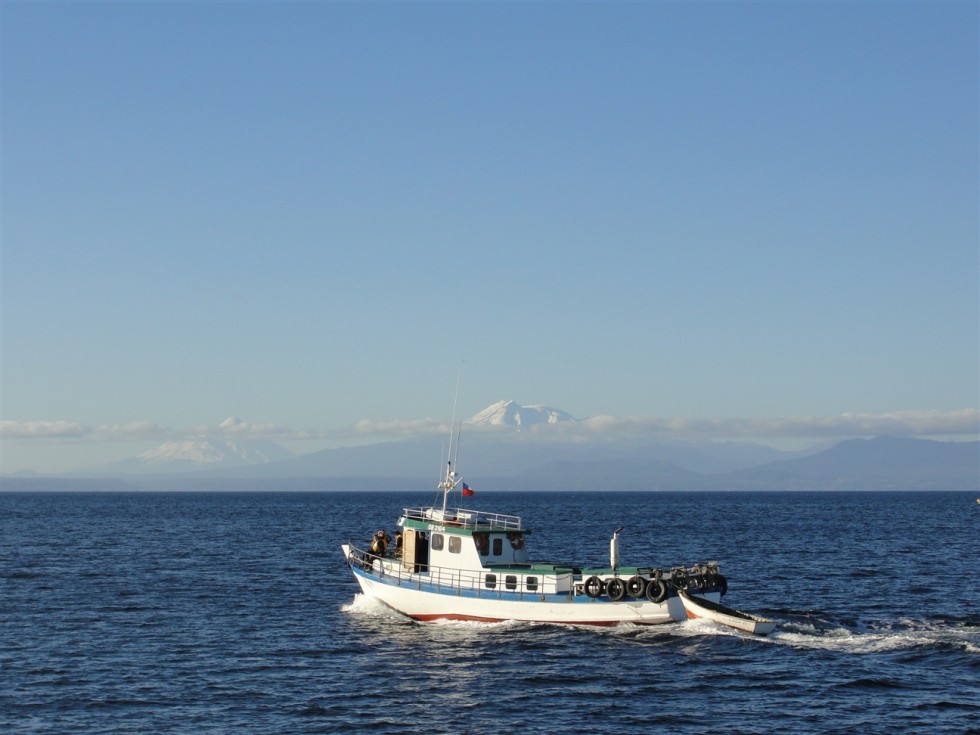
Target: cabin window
531, 583
455, 544
510, 582
437, 541
490, 581
498, 546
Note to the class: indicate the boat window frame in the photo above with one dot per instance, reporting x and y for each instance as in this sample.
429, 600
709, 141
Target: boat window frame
498, 546
438, 541
455, 544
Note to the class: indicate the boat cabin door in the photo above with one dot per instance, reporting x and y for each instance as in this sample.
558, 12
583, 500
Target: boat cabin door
415, 551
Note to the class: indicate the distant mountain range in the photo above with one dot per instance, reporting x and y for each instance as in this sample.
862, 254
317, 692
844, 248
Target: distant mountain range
496, 458
881, 463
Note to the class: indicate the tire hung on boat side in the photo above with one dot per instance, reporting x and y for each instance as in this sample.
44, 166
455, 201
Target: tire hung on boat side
616, 589
636, 586
657, 590
593, 587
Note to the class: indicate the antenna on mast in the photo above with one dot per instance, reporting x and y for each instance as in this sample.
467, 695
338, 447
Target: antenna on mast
450, 482
459, 430
452, 427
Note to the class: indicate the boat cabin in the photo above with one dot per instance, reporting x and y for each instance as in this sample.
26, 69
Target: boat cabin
460, 539
481, 553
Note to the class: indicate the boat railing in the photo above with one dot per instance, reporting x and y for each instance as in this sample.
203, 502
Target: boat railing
482, 582
465, 518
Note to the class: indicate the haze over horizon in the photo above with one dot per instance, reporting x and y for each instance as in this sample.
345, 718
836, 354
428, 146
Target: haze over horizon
753, 221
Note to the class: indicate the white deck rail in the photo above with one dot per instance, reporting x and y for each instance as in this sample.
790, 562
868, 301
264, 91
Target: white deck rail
465, 518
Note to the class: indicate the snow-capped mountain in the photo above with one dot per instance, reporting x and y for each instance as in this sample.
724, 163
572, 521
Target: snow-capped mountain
210, 450
205, 452
510, 413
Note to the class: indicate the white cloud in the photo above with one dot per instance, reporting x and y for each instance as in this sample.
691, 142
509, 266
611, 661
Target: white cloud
961, 423
965, 422
77, 430
142, 430
234, 426
43, 430
133, 430
901, 423
400, 427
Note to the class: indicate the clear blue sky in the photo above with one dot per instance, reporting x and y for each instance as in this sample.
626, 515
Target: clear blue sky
310, 214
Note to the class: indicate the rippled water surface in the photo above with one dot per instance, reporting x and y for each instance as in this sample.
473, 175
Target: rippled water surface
217, 613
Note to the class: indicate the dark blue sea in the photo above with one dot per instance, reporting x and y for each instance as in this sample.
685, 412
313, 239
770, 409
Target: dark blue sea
235, 613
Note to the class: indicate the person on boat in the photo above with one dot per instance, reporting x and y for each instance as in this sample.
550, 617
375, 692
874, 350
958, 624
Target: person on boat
379, 544
398, 541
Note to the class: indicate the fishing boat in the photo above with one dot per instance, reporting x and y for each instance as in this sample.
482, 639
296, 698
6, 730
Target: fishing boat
464, 564
700, 607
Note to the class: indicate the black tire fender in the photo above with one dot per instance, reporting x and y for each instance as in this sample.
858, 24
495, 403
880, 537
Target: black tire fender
616, 589
636, 586
657, 590
593, 587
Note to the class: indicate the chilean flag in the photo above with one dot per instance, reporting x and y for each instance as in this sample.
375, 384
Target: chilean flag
466, 491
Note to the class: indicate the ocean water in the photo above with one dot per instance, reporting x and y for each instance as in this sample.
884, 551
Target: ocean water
235, 613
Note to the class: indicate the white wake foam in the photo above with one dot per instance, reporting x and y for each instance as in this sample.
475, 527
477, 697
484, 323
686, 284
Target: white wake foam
903, 635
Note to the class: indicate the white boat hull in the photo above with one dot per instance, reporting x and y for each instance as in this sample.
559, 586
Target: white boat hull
700, 607
411, 595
